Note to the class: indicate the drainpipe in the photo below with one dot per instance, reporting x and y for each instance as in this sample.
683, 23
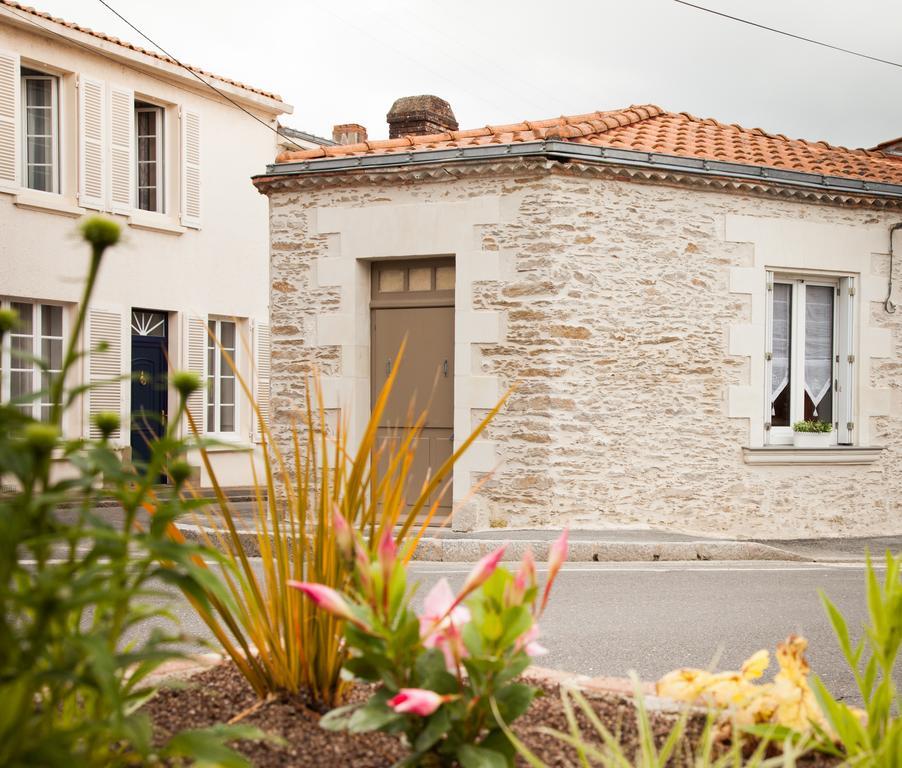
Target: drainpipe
888, 305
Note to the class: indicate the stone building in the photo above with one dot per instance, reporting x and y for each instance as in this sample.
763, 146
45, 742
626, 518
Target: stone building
668, 294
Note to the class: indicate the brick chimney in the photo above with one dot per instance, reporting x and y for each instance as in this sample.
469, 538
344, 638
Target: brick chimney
420, 115
349, 133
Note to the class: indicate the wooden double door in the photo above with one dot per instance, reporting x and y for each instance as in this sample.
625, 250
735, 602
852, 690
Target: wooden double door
414, 300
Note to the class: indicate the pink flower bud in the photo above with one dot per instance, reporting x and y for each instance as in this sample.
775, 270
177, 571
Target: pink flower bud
328, 599
416, 701
525, 578
481, 572
556, 557
387, 552
344, 537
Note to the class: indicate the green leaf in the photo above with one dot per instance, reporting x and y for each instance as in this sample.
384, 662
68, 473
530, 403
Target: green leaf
470, 756
492, 628
436, 727
497, 741
339, 718
207, 747
516, 620
514, 699
375, 716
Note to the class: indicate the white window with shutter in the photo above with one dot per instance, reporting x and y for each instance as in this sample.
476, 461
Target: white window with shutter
190, 168
91, 151
9, 120
808, 355
122, 150
222, 383
39, 335
149, 122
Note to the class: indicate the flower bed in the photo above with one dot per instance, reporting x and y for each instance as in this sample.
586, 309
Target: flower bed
219, 694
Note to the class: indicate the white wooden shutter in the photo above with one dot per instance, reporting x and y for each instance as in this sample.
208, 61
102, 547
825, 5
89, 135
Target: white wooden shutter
105, 367
190, 168
9, 120
122, 152
196, 346
844, 388
262, 351
91, 165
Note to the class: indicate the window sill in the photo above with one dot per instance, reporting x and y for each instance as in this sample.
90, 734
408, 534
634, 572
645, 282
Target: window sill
48, 203
787, 455
155, 223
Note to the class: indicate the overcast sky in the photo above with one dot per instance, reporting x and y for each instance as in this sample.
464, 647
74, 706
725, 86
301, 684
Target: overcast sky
502, 62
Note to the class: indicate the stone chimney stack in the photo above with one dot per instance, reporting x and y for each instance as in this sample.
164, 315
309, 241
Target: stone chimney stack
349, 133
420, 115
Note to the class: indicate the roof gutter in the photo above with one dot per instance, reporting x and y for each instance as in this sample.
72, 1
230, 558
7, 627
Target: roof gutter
565, 151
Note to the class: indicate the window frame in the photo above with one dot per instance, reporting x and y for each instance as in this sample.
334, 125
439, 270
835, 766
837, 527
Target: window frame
37, 337
841, 400
141, 106
25, 74
213, 380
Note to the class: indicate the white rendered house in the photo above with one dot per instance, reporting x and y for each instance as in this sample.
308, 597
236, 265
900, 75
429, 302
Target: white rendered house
91, 124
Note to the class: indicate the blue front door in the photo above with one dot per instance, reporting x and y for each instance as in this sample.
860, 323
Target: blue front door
150, 397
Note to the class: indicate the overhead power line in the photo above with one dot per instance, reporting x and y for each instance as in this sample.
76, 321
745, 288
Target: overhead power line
196, 75
790, 34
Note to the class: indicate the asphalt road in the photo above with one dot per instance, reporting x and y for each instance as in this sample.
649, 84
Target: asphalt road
608, 618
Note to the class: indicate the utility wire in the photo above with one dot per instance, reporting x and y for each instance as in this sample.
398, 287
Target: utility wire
197, 76
789, 34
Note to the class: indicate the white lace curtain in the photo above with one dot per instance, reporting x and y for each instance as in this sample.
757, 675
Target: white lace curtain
782, 323
818, 342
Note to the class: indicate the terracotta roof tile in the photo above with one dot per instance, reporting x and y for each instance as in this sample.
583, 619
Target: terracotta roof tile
110, 39
649, 128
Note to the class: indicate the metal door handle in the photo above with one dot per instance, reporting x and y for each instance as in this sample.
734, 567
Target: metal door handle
445, 368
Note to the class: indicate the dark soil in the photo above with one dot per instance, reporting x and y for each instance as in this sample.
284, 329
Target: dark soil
220, 694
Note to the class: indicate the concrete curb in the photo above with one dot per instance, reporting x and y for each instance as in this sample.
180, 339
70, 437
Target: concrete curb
441, 550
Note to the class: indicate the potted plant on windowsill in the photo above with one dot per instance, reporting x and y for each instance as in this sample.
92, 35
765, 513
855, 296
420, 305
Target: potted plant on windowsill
812, 434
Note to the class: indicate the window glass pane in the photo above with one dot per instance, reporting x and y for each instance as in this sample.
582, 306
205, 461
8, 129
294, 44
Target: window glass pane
52, 353
420, 279
227, 337
444, 279
781, 344
40, 150
22, 349
21, 383
51, 320
391, 280
211, 417
818, 352
227, 390
147, 174
147, 123
40, 177
227, 418
38, 92
38, 122
24, 311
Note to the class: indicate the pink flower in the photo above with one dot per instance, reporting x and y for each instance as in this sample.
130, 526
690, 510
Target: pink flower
527, 642
328, 599
441, 621
481, 572
416, 701
556, 557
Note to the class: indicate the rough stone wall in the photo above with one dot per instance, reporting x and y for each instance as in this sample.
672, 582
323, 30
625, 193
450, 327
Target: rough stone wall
617, 306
